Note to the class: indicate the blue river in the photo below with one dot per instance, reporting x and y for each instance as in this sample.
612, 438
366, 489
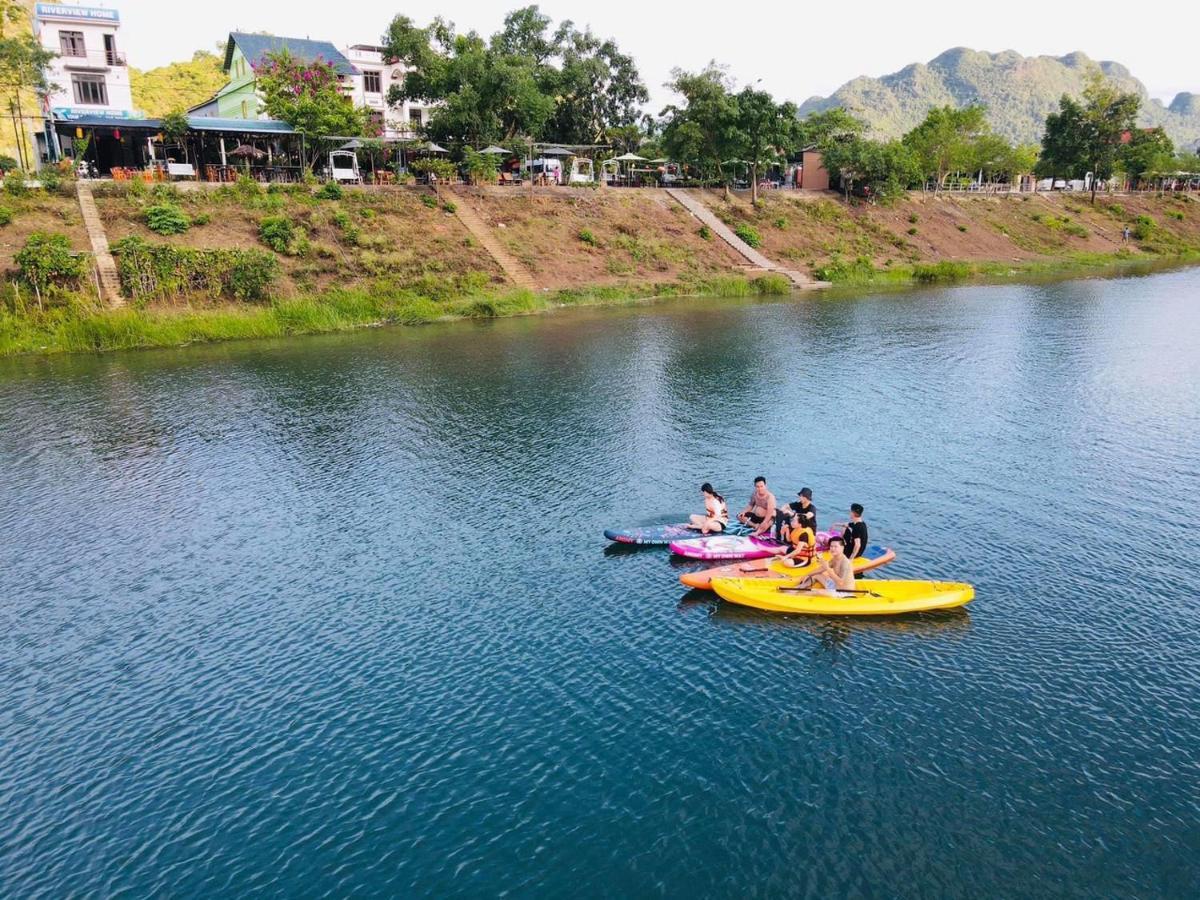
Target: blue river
334, 616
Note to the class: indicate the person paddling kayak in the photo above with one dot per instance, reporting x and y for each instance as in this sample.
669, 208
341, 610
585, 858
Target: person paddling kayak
716, 512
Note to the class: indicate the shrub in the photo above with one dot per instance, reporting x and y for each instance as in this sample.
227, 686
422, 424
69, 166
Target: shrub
1176, 214
351, 231
50, 179
748, 234
1143, 228
588, 238
429, 200
912, 219
14, 184
202, 219
962, 228
46, 259
6, 215
450, 207
8, 164
705, 232
166, 218
772, 284
277, 232
781, 223
149, 271
912, 231
860, 269
330, 190
247, 188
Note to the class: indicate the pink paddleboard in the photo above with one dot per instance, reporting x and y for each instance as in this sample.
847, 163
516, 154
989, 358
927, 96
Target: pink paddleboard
728, 546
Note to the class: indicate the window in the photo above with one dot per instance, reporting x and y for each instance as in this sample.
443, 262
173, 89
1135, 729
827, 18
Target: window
90, 90
71, 43
372, 82
375, 122
414, 116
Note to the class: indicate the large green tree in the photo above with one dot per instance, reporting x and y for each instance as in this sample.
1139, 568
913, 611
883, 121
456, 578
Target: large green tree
942, 144
1149, 154
1087, 138
308, 96
528, 80
23, 62
703, 130
766, 129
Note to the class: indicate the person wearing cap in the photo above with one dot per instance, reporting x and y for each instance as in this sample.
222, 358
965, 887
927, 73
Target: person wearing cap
855, 534
800, 513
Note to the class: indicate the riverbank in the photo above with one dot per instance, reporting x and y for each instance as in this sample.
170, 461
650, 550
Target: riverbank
240, 261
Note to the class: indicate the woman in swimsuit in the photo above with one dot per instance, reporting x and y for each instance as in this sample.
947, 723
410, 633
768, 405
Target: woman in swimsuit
716, 512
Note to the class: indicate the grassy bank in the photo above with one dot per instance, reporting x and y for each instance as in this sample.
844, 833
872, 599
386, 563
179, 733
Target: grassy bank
80, 325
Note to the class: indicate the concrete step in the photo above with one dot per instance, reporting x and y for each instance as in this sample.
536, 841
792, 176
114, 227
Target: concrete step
106, 266
512, 267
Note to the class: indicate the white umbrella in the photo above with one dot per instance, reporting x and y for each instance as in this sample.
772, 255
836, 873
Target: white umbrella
495, 151
434, 148
629, 157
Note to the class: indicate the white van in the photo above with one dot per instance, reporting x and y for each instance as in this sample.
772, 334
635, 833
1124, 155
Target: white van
552, 168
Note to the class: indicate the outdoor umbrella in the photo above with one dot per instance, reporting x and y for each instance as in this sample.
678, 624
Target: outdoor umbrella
495, 151
629, 157
431, 147
557, 151
247, 152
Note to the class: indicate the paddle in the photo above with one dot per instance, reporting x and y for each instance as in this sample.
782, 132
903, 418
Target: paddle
808, 590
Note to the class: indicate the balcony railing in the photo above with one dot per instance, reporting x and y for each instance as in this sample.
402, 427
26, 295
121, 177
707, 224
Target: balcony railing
114, 57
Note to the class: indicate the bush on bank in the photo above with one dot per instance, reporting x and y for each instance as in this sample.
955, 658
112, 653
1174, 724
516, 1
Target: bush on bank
162, 271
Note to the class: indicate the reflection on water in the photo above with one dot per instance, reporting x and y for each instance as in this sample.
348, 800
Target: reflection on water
334, 616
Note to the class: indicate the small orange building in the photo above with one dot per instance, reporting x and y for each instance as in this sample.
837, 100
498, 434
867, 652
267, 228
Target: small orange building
813, 174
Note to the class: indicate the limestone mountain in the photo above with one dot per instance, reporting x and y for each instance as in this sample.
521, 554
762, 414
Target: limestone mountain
1019, 91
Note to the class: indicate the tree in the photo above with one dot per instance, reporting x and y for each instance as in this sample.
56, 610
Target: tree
1087, 138
820, 129
766, 129
1148, 154
702, 132
1108, 114
308, 96
179, 85
1062, 142
564, 85
943, 143
882, 169
23, 62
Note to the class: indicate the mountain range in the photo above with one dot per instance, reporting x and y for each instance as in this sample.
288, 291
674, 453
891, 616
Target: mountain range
1019, 91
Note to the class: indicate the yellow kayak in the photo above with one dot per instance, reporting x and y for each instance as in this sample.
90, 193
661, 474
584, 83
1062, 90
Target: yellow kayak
871, 597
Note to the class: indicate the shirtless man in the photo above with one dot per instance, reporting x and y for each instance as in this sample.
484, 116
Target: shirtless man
835, 575
760, 511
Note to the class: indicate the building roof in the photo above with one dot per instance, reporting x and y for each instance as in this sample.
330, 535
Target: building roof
255, 46
195, 123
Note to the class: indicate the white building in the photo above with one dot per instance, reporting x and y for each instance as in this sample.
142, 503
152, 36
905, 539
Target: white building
89, 73
375, 75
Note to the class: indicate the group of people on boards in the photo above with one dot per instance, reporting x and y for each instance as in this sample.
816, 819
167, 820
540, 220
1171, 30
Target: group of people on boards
795, 527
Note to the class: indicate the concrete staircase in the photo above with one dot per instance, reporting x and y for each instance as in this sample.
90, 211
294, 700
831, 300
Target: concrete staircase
513, 268
106, 267
755, 261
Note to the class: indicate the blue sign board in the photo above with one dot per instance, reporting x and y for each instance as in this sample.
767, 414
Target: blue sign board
81, 13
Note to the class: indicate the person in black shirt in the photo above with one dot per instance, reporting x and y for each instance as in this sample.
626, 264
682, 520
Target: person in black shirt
855, 535
801, 512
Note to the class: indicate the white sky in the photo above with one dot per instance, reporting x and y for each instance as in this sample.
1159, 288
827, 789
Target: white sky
767, 39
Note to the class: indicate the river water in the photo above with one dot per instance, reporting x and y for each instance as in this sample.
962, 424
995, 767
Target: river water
334, 616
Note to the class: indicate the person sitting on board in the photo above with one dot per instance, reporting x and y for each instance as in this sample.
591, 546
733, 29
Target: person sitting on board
760, 510
803, 508
716, 512
835, 575
855, 534
802, 542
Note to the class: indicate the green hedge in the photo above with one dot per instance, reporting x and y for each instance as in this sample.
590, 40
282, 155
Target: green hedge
159, 271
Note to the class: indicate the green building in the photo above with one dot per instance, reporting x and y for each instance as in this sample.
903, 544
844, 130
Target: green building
243, 52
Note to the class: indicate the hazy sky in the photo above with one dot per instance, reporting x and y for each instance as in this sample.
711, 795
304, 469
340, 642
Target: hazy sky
797, 49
